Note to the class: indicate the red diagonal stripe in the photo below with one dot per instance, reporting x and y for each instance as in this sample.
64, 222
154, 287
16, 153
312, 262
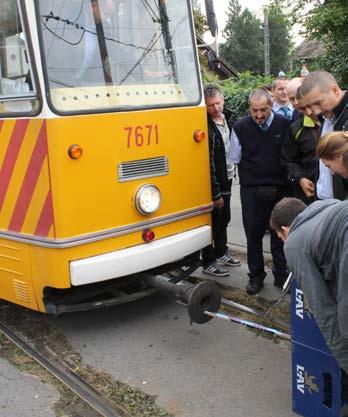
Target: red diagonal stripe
46, 217
30, 180
11, 155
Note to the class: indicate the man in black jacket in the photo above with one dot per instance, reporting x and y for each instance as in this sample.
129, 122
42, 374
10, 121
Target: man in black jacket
221, 179
298, 154
322, 96
256, 142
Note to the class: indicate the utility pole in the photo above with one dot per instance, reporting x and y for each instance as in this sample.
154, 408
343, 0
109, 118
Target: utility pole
266, 41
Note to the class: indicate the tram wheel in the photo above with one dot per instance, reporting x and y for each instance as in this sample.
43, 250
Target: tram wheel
205, 296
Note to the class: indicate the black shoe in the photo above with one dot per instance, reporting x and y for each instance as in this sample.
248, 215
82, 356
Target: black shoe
344, 411
228, 261
215, 271
279, 282
254, 287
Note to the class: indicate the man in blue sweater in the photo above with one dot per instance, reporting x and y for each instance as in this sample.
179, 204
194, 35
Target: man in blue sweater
256, 142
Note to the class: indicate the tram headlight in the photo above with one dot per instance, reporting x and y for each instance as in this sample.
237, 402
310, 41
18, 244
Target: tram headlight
148, 199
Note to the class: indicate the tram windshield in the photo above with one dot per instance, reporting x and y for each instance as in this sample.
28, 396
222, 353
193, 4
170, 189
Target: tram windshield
119, 53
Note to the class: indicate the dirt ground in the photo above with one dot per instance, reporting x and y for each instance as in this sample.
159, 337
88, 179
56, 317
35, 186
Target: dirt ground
45, 337
130, 401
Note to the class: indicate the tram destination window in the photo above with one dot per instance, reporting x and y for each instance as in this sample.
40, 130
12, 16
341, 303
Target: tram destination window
17, 91
119, 54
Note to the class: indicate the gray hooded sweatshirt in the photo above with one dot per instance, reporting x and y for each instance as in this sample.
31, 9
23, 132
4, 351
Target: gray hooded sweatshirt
317, 254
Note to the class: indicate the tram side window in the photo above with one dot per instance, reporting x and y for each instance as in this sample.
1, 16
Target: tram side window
16, 85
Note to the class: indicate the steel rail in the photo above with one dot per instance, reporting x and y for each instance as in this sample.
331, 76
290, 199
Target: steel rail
267, 316
68, 377
248, 323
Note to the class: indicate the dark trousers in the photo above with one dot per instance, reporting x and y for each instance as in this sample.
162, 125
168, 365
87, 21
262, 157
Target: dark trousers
220, 219
344, 387
256, 215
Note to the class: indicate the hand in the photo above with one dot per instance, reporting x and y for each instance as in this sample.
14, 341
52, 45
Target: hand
308, 187
218, 204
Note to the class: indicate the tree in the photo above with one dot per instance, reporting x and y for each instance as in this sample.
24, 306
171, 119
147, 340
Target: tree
279, 43
244, 39
244, 47
237, 91
326, 21
200, 20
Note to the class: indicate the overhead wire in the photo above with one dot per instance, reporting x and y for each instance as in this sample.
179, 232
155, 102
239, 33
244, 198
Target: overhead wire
153, 40
156, 36
52, 40
85, 30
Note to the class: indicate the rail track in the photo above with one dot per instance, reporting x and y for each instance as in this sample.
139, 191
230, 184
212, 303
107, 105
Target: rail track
87, 393
225, 302
102, 406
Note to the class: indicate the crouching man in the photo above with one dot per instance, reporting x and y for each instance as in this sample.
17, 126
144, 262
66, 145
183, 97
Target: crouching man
316, 249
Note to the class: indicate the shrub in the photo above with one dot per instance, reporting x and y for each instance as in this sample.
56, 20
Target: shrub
236, 92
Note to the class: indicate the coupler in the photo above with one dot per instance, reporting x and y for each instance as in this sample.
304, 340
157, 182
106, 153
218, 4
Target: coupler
199, 298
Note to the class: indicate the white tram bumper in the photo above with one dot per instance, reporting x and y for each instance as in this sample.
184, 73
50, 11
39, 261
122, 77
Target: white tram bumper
138, 258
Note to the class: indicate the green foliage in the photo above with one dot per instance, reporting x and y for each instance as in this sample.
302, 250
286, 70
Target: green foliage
279, 41
244, 47
334, 61
209, 77
244, 39
329, 19
326, 21
199, 19
236, 92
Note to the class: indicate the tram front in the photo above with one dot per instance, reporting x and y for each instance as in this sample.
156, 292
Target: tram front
115, 126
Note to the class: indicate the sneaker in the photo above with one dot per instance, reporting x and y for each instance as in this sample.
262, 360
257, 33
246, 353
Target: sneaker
215, 271
228, 261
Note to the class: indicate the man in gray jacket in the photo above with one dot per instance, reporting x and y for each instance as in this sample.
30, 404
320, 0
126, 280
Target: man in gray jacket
316, 249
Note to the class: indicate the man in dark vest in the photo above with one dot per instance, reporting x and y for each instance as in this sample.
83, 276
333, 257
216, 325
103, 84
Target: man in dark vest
256, 142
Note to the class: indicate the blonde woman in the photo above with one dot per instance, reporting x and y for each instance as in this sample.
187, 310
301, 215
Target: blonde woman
332, 149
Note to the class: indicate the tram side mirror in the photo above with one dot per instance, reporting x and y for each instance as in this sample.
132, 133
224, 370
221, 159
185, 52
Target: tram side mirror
211, 16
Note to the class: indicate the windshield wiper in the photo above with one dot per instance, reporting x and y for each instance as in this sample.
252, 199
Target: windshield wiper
104, 54
167, 38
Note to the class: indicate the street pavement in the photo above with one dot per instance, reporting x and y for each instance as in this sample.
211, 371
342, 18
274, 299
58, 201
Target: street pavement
219, 369
22, 395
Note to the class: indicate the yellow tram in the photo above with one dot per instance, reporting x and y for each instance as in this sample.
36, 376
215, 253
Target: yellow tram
104, 166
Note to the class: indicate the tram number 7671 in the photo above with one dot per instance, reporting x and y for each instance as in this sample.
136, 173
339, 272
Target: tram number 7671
142, 135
